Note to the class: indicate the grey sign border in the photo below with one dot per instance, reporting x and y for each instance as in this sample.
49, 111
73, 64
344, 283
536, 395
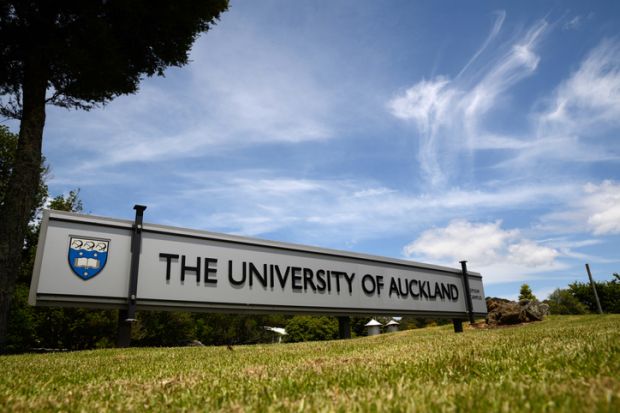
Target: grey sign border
150, 304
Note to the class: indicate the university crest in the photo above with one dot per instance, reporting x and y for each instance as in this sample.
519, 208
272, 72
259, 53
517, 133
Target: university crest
87, 257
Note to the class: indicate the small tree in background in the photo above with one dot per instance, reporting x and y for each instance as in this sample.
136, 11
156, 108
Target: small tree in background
526, 293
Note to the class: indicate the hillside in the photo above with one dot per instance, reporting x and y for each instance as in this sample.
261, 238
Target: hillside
566, 363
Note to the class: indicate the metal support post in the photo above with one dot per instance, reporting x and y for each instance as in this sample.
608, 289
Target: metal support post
128, 316
598, 302
344, 327
458, 325
123, 331
468, 303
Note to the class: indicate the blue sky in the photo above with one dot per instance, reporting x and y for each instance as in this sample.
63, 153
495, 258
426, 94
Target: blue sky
432, 131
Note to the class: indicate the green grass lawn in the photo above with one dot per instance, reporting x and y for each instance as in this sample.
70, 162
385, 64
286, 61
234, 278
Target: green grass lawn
566, 363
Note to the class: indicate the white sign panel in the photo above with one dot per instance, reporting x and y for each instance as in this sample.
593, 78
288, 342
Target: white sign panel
85, 260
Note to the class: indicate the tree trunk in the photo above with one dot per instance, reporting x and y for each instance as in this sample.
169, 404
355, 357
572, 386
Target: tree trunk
23, 184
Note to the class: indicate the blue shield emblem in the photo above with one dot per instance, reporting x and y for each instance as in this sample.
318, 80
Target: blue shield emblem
87, 257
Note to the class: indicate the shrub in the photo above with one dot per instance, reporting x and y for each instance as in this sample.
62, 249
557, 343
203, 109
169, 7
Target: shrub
608, 293
563, 302
311, 328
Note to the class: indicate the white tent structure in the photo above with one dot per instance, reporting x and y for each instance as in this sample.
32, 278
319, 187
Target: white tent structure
392, 326
374, 327
279, 333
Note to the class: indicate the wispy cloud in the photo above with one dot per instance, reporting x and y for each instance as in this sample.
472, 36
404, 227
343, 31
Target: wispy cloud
238, 92
455, 117
449, 113
334, 211
580, 116
589, 101
499, 21
574, 23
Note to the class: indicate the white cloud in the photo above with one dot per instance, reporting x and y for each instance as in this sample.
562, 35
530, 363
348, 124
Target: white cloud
590, 99
574, 23
518, 62
258, 202
497, 26
602, 203
425, 103
581, 116
595, 208
238, 91
502, 255
449, 113
531, 254
480, 243
455, 117
265, 91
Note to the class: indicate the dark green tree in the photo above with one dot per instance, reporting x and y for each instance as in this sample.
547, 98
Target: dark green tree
221, 329
23, 331
8, 148
163, 328
526, 293
76, 54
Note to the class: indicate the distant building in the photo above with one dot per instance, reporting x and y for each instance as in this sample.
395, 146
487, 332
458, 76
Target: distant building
392, 326
374, 327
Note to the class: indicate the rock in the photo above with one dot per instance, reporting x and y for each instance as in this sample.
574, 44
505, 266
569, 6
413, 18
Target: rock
506, 312
532, 310
503, 312
494, 303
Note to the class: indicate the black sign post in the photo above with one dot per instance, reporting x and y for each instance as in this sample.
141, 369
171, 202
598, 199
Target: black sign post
344, 327
128, 316
468, 303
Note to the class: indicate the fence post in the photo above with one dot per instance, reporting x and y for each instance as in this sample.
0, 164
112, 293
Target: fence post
598, 303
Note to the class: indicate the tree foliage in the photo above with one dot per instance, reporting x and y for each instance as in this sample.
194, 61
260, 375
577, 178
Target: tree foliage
578, 298
608, 293
90, 51
563, 302
525, 293
311, 328
54, 327
76, 54
8, 148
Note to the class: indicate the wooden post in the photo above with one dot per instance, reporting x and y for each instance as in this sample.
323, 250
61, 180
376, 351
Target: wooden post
598, 303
